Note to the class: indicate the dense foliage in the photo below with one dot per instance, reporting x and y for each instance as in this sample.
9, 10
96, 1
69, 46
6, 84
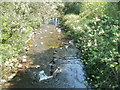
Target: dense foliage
93, 26
96, 33
18, 21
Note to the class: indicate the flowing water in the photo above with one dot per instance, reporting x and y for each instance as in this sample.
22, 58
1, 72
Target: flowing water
56, 60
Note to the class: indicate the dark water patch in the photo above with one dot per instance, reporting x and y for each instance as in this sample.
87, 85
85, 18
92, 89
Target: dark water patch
58, 65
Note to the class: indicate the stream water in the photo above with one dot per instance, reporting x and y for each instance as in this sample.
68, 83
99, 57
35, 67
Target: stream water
57, 62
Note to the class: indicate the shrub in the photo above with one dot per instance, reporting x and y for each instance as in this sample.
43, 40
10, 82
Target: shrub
18, 21
98, 40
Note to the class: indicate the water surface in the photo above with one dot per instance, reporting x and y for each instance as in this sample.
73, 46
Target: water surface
58, 63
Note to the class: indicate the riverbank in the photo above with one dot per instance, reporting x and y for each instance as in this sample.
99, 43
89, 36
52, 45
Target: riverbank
10, 68
18, 22
98, 41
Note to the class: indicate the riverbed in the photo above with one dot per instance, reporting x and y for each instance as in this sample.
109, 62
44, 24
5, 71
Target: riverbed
57, 62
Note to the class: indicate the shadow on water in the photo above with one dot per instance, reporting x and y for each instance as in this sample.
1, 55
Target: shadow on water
66, 69
71, 75
29, 78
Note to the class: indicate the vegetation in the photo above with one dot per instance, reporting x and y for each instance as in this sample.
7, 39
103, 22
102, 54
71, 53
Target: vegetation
93, 26
18, 21
96, 33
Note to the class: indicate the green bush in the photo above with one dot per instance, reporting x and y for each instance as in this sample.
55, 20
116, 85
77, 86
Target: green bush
18, 21
98, 39
15, 30
71, 8
95, 31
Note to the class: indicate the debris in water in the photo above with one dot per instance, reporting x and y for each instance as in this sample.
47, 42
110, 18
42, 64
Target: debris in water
43, 76
58, 70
